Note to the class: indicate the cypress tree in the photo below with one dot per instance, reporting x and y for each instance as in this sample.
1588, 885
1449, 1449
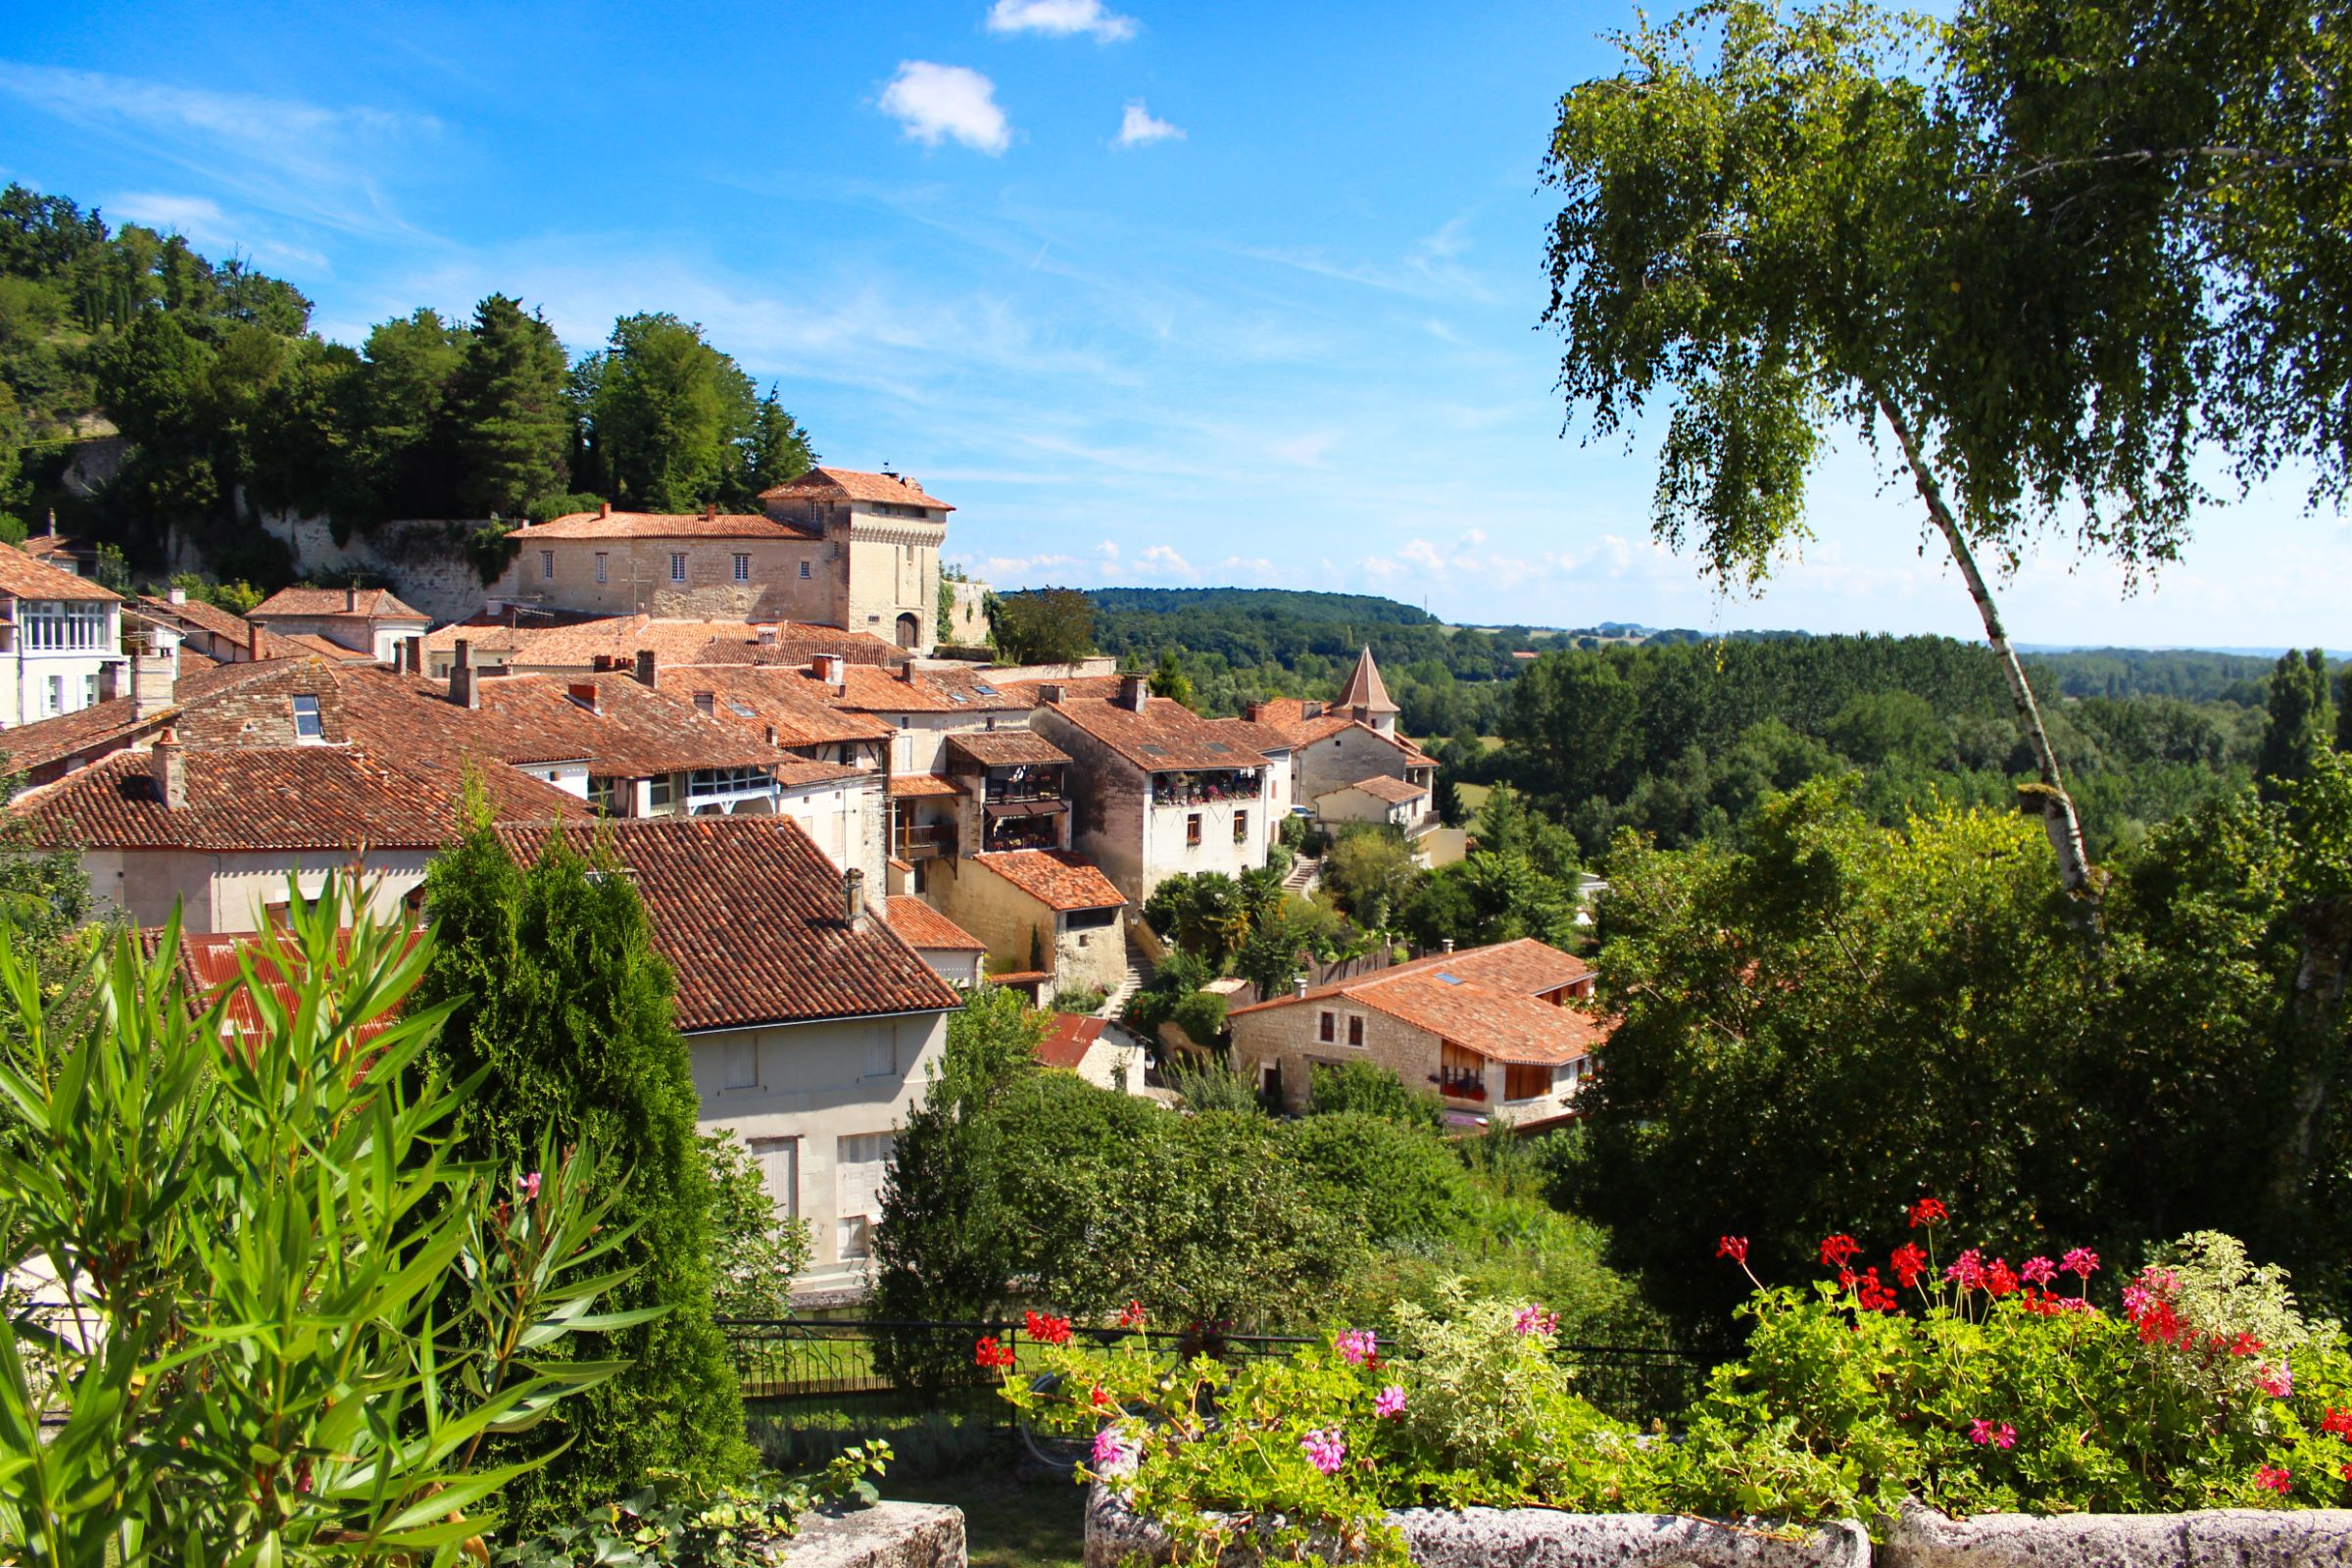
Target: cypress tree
2300, 721
514, 424
566, 1003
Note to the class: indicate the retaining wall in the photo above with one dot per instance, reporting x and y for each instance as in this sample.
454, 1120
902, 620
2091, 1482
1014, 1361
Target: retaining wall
888, 1535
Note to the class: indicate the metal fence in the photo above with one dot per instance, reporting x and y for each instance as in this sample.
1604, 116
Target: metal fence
840, 1365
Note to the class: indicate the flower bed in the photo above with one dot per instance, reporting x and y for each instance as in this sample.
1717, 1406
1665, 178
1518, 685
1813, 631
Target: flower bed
1972, 1386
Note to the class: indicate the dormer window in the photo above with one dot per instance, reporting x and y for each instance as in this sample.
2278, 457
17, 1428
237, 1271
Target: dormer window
306, 719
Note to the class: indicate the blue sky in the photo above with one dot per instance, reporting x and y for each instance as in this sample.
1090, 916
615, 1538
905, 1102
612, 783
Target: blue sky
1169, 294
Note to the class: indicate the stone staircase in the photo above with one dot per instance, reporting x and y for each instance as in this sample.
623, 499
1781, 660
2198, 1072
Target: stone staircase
1136, 978
1304, 873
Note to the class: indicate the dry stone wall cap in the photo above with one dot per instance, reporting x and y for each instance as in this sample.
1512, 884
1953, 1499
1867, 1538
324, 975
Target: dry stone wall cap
2220, 1538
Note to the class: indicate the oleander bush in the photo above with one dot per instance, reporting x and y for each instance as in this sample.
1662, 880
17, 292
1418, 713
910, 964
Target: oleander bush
1969, 1384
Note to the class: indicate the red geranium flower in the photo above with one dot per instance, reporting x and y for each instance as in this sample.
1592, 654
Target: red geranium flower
990, 1354
1999, 1280
1046, 1329
1839, 1251
1927, 1211
1734, 1248
1909, 1264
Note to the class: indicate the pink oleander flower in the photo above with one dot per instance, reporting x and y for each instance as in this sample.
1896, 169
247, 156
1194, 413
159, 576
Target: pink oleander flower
2037, 1271
1356, 1347
1325, 1450
1983, 1430
1113, 1453
530, 1188
2270, 1478
1389, 1403
2081, 1261
2275, 1381
1967, 1270
1535, 1320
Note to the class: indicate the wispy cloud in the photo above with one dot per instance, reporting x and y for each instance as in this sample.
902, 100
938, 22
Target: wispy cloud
936, 103
299, 160
202, 221
1431, 268
1137, 128
1060, 18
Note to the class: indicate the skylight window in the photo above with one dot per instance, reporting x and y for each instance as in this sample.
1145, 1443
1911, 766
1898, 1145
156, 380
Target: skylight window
984, 688
739, 708
957, 697
1451, 979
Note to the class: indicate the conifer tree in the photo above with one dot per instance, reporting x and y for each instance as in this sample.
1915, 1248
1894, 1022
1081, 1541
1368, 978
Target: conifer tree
2300, 721
562, 998
513, 424
775, 449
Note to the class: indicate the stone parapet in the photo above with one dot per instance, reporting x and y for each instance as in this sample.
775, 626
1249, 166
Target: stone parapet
888, 1535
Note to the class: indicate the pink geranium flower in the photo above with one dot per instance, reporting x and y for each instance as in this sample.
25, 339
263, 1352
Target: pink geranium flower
1357, 1345
1389, 1403
1325, 1450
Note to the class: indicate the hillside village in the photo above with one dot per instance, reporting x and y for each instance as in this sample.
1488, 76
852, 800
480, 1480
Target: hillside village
838, 831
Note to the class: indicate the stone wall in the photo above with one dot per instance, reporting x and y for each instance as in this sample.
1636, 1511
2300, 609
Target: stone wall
422, 560
888, 1534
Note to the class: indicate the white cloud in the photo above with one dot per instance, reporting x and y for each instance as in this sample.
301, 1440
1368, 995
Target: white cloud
1137, 128
1161, 561
934, 101
202, 221
1060, 18
281, 155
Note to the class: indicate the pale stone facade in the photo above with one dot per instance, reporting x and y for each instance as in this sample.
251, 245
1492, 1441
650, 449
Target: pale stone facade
235, 891
1082, 949
1276, 1049
817, 1103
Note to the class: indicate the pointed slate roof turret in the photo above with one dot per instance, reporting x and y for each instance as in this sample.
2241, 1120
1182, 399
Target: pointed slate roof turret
1365, 695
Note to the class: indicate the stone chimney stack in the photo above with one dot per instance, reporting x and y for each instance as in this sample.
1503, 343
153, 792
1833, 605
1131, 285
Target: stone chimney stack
827, 668
154, 673
179, 596
463, 688
1299, 988
351, 599
1134, 694
169, 764
852, 898
1050, 694
411, 655
603, 509
1446, 946
646, 670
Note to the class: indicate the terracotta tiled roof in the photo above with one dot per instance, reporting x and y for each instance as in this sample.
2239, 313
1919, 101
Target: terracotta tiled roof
799, 773
925, 927
371, 604
1056, 878
658, 526
748, 912
1381, 787
196, 613
852, 484
1263, 739
50, 546
1067, 1042
290, 642
568, 641
1485, 999
921, 786
23, 577
616, 725
1166, 736
270, 798
783, 700
1365, 689
94, 731
208, 962
866, 689
1007, 748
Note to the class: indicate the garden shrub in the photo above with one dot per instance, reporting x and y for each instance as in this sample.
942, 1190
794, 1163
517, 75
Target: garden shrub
1361, 1087
674, 1523
1393, 1182
755, 1248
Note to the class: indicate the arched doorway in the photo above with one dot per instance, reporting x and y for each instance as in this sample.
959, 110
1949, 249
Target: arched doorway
910, 631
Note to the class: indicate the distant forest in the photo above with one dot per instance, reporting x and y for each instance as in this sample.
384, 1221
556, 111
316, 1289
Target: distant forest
1680, 737
227, 404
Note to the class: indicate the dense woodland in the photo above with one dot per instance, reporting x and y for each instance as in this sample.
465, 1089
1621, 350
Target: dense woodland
228, 405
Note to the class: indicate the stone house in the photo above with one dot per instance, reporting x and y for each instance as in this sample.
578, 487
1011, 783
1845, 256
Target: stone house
204, 630
368, 622
218, 832
1098, 1050
535, 642
812, 1026
1347, 740
955, 953
1045, 914
835, 547
59, 636
1503, 1033
1160, 789
1391, 801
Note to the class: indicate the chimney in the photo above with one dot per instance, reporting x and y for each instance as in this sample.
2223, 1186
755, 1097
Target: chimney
771, 734
253, 642
706, 703
906, 671
1299, 988
179, 596
710, 511
852, 898
462, 688
1133, 693
603, 509
644, 666
1446, 946
351, 599
411, 655
767, 637
169, 764
154, 673
1050, 694
583, 692
827, 668
110, 682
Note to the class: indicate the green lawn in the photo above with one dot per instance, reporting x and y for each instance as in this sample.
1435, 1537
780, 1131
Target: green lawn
1474, 796
1007, 1522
